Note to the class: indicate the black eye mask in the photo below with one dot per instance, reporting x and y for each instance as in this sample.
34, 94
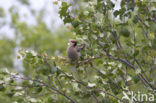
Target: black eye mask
75, 43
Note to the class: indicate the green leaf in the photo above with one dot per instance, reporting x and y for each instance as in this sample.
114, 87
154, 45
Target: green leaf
105, 100
116, 13
9, 94
136, 79
51, 99
2, 13
64, 4
115, 91
53, 69
26, 2
44, 69
124, 32
136, 53
154, 43
75, 23
135, 19
2, 88
63, 11
67, 20
37, 90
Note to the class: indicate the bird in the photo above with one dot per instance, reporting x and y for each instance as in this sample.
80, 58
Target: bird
73, 51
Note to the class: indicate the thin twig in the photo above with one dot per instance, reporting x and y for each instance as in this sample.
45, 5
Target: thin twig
97, 101
97, 89
46, 85
142, 21
131, 66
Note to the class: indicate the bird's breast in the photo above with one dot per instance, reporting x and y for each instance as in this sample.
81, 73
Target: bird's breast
72, 53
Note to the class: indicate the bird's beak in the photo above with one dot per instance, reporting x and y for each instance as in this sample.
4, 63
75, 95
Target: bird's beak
68, 43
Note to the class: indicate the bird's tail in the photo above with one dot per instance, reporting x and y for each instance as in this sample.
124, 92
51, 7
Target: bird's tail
75, 73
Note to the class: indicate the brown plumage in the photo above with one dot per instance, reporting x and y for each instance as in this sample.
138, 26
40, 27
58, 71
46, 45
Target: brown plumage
73, 51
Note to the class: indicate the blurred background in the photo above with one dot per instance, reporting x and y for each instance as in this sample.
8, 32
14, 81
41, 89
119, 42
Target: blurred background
30, 24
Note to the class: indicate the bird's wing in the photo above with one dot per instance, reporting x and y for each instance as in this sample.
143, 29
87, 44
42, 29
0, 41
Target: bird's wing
79, 48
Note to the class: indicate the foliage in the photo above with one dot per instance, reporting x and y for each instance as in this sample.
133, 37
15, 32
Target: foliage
6, 53
119, 56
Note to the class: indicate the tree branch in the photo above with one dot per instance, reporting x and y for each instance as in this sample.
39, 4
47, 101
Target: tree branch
96, 89
46, 85
131, 66
142, 21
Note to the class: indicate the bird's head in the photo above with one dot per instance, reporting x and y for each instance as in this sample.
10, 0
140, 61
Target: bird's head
72, 42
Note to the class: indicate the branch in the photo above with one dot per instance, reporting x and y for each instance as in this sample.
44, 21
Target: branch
46, 85
89, 59
116, 85
41, 95
131, 66
144, 81
142, 70
96, 89
142, 21
97, 101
